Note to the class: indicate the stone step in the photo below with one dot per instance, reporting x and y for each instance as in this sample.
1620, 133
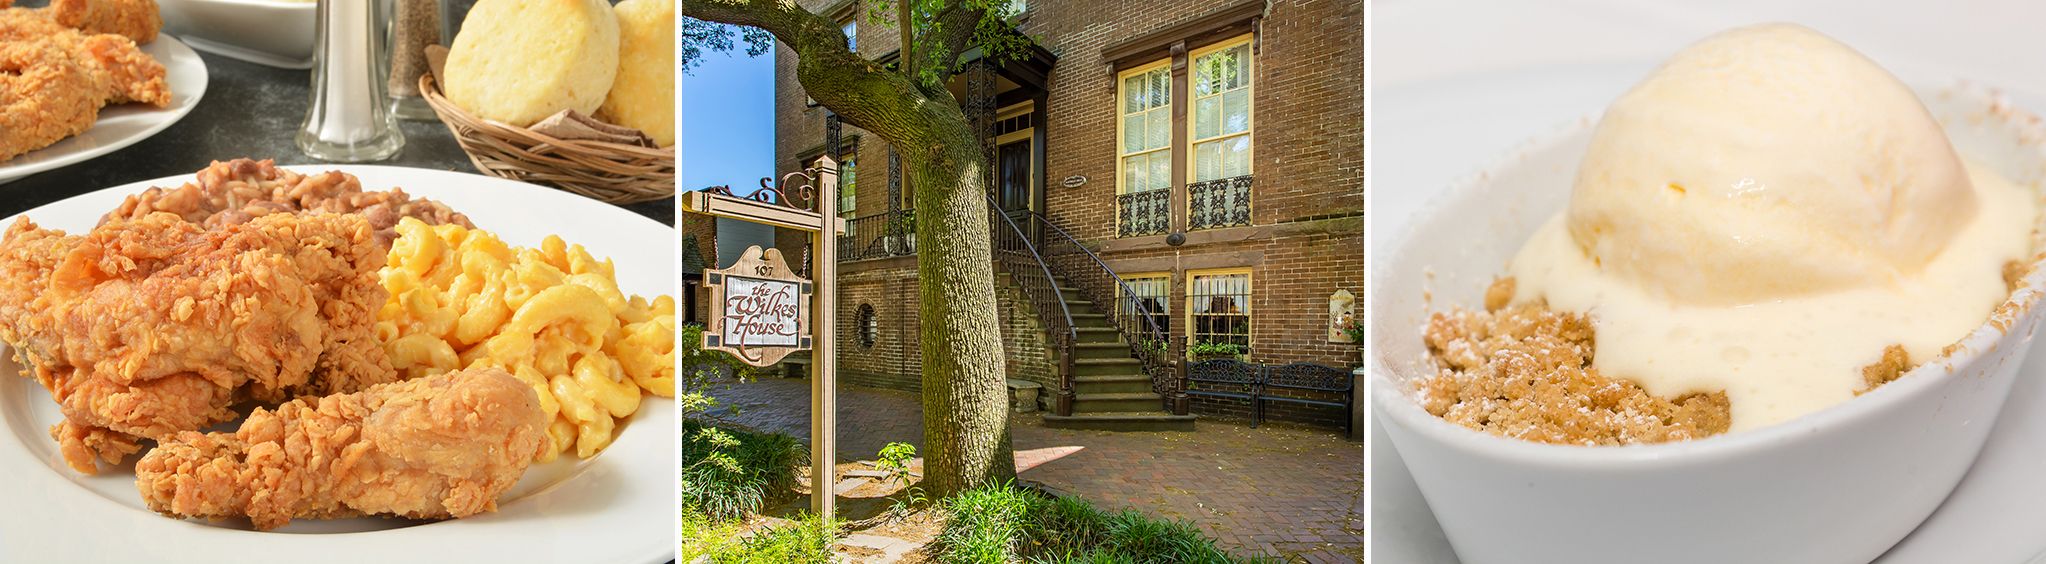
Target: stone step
1098, 334
1100, 350
1106, 366
1122, 421
1112, 384
1097, 403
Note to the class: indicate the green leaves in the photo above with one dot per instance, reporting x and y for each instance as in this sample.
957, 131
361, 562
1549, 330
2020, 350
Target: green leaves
698, 36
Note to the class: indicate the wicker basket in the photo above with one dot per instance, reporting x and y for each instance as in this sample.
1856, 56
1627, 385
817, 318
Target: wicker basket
613, 172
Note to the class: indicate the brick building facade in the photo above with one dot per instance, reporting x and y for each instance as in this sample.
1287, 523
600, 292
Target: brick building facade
1209, 152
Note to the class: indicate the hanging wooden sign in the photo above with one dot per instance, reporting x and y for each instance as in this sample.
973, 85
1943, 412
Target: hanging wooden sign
760, 309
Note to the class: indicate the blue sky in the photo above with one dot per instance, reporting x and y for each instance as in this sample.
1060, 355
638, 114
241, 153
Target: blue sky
728, 121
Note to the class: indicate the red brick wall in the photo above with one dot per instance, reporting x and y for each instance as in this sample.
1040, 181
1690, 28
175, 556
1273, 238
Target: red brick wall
1024, 343
893, 361
1306, 237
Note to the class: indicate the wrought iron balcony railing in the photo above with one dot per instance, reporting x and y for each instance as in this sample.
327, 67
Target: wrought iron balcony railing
881, 235
1144, 213
1222, 202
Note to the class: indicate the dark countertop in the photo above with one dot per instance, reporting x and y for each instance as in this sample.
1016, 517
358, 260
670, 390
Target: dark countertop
249, 110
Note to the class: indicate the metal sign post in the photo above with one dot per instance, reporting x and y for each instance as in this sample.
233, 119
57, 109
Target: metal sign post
762, 317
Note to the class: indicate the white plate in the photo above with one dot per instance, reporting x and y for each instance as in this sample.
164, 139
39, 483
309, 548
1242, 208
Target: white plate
619, 506
1425, 134
126, 124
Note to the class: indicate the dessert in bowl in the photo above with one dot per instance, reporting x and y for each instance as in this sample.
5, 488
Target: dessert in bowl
1777, 284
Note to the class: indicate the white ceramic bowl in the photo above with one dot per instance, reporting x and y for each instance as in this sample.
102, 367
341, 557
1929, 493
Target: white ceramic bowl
1840, 485
278, 33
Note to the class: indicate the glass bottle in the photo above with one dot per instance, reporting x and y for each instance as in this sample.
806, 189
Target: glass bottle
348, 119
415, 25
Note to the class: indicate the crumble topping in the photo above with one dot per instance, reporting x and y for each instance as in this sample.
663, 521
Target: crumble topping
1524, 371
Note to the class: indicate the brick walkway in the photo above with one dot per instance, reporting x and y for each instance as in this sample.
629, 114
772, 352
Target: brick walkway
1286, 491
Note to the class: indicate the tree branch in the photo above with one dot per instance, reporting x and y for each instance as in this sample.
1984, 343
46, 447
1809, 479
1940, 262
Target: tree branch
954, 27
862, 93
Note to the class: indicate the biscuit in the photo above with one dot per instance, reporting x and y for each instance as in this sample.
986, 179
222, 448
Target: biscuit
643, 96
519, 61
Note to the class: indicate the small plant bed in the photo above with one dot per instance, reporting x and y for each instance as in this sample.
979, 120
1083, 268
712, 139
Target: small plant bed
1008, 523
804, 540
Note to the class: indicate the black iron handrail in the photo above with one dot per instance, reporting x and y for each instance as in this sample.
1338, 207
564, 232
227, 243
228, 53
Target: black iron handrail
882, 235
1013, 250
1132, 317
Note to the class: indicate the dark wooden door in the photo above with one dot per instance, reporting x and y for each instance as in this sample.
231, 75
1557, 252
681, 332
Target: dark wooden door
1012, 183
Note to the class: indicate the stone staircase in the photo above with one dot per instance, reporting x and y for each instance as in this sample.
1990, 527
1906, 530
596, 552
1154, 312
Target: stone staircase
1111, 392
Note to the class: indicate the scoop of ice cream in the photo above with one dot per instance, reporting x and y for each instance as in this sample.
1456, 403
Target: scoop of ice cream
1767, 162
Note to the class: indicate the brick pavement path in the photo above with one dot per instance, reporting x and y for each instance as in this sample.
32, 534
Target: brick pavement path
1286, 491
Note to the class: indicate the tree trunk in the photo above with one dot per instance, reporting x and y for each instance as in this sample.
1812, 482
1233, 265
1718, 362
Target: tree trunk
965, 388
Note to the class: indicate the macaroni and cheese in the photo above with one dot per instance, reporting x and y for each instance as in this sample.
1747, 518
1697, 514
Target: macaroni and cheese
552, 316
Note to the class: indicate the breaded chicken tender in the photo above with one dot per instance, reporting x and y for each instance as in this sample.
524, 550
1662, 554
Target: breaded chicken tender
433, 448
45, 96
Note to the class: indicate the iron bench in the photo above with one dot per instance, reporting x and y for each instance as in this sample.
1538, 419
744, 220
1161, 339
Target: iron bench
1308, 377
1226, 378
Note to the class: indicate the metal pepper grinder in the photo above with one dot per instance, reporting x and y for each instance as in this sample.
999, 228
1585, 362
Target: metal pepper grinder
348, 119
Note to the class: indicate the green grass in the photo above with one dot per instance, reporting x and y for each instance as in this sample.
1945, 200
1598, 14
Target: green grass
1004, 523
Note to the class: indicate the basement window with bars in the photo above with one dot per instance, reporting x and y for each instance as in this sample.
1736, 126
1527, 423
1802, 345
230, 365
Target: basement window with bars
1218, 308
1150, 293
869, 326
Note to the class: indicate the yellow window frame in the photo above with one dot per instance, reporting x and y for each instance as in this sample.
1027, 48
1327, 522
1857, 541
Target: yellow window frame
1192, 118
1249, 300
1120, 156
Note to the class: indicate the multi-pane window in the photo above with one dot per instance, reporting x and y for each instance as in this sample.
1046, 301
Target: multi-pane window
1218, 308
852, 35
848, 188
1221, 112
1148, 294
1147, 130
1144, 150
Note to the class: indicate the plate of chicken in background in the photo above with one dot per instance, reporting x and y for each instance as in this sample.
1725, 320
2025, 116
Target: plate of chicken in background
339, 364
83, 78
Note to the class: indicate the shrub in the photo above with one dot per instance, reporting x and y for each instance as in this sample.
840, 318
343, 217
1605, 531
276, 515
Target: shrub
807, 540
1205, 348
1144, 540
1070, 526
988, 525
1004, 523
729, 474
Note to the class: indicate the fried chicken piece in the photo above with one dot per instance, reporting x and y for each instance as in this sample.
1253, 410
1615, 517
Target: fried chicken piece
433, 448
124, 73
133, 19
239, 190
148, 327
45, 96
